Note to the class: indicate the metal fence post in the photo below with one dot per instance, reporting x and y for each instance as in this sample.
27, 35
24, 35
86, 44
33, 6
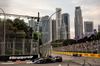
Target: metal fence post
2, 47
23, 46
14, 46
31, 48
44, 50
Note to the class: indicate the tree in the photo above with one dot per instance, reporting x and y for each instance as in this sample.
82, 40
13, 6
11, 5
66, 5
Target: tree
68, 42
35, 37
60, 40
17, 29
9, 28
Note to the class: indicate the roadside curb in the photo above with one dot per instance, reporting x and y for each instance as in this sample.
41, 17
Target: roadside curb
19, 63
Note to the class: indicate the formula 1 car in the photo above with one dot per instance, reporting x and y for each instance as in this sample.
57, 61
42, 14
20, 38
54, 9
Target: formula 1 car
58, 59
38, 61
49, 59
77, 55
44, 60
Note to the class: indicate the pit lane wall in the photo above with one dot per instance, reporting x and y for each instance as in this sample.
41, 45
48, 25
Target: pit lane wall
82, 54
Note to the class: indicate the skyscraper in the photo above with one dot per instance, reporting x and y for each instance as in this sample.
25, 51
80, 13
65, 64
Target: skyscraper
40, 27
58, 22
78, 23
99, 28
63, 33
53, 30
47, 34
32, 23
88, 27
66, 20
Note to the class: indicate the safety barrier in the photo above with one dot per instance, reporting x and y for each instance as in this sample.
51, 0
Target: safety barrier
18, 57
82, 54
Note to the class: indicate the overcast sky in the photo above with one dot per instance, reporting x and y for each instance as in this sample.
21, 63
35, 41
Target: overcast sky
90, 9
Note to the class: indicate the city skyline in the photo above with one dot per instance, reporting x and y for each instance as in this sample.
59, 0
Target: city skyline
90, 9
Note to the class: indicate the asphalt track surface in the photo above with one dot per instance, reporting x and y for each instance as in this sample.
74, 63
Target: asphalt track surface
67, 61
64, 63
82, 61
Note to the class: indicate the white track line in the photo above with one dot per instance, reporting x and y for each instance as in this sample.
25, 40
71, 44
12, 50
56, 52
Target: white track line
29, 62
59, 65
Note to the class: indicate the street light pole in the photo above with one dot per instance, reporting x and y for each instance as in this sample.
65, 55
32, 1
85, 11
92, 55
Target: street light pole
3, 51
38, 36
44, 30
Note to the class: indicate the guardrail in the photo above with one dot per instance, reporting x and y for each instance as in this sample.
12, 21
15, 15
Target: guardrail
82, 54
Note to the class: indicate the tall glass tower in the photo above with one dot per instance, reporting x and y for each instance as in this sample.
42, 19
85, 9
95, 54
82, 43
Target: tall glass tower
63, 32
58, 22
98, 28
53, 30
78, 23
47, 33
66, 20
32, 23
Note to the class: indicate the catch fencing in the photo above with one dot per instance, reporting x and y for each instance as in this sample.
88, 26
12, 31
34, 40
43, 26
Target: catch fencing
15, 46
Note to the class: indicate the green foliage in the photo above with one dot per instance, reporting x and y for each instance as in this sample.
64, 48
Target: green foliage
60, 40
19, 28
16, 29
57, 45
35, 37
10, 51
68, 42
97, 37
71, 41
91, 38
18, 51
